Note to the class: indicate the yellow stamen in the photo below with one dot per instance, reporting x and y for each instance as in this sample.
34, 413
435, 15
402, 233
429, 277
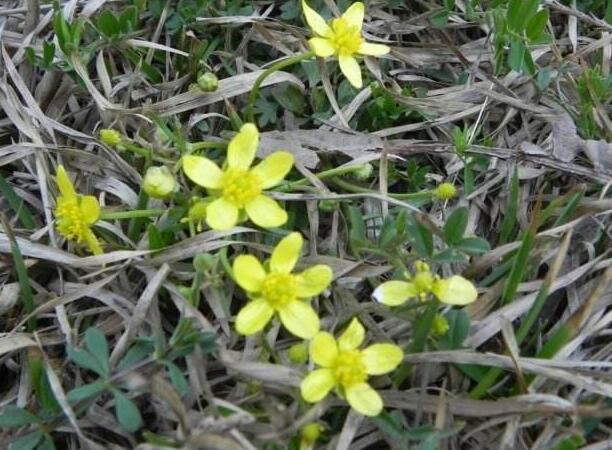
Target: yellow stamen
240, 186
70, 221
349, 368
279, 289
346, 38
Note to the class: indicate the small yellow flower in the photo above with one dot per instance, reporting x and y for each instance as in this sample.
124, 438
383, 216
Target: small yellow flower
341, 37
159, 182
75, 214
445, 191
455, 290
276, 290
110, 137
238, 186
347, 368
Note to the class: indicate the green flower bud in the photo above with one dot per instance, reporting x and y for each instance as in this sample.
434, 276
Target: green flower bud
439, 326
309, 435
159, 182
445, 191
185, 291
208, 82
328, 205
204, 262
298, 353
363, 172
110, 137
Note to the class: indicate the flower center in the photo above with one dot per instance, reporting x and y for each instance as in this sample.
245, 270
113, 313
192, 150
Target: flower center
346, 38
279, 289
349, 368
240, 186
70, 222
423, 281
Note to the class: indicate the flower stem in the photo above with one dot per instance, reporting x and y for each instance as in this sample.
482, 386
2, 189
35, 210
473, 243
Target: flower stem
136, 213
146, 153
265, 74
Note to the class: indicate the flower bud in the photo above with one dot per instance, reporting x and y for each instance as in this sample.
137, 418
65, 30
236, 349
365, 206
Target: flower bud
445, 191
439, 326
185, 291
204, 262
208, 82
363, 172
110, 137
298, 353
309, 435
159, 182
328, 205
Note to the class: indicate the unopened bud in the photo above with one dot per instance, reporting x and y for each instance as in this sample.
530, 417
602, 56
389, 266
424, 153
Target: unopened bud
159, 182
208, 82
328, 205
363, 172
298, 353
110, 137
439, 326
204, 262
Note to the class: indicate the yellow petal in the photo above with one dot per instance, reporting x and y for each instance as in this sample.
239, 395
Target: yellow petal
354, 15
265, 212
221, 215
323, 349
64, 184
370, 49
314, 280
242, 148
300, 319
253, 317
202, 171
394, 293
248, 272
364, 399
90, 209
315, 21
322, 47
350, 69
455, 290
352, 336
381, 358
286, 253
92, 242
273, 169
317, 385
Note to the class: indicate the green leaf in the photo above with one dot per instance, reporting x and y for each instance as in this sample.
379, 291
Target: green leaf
388, 232
440, 19
459, 327
516, 57
27, 442
177, 378
13, 416
155, 238
450, 255
108, 24
420, 237
510, 217
455, 225
46, 444
536, 25
135, 354
86, 360
98, 346
48, 53
86, 391
290, 97
127, 412
514, 19
128, 20
473, 245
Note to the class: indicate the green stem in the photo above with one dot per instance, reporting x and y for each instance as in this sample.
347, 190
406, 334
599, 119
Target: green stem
195, 146
144, 152
343, 184
136, 213
265, 74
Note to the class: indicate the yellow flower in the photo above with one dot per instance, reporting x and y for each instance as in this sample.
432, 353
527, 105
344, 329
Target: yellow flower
238, 186
455, 290
347, 368
341, 37
445, 191
276, 290
75, 214
159, 182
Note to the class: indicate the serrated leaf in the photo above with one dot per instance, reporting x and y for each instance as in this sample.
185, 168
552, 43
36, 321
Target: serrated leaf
455, 225
86, 360
127, 412
86, 391
27, 442
13, 416
98, 346
473, 245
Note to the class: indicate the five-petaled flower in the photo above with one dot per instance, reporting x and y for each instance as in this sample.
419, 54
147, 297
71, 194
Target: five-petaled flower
275, 289
345, 367
455, 290
238, 187
75, 214
341, 37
